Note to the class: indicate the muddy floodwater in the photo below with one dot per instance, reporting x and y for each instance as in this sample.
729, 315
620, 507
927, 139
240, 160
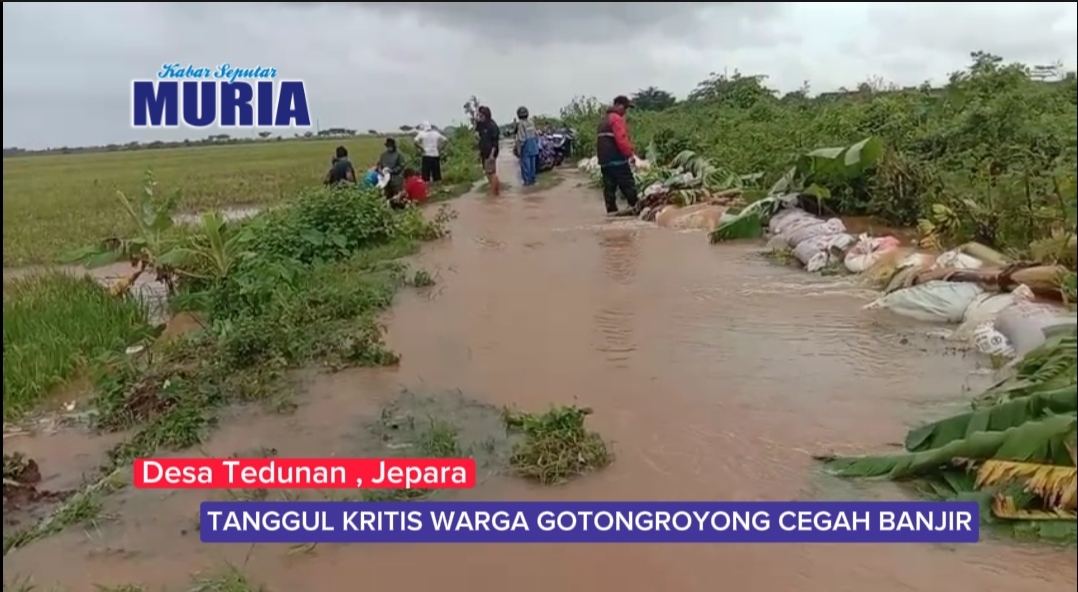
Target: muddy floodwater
714, 374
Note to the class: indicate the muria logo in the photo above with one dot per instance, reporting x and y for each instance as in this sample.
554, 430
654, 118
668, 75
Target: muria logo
224, 96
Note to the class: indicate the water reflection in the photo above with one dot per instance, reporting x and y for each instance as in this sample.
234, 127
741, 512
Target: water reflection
614, 318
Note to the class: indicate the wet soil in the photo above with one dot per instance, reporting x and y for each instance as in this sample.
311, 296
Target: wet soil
715, 375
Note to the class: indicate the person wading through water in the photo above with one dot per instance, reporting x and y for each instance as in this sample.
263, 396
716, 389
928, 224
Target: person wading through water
614, 150
430, 143
489, 136
341, 169
392, 161
526, 147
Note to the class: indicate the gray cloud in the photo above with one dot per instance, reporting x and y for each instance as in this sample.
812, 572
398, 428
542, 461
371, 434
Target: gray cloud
67, 70
544, 23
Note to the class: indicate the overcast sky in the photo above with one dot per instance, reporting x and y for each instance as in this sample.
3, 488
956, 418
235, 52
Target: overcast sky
68, 67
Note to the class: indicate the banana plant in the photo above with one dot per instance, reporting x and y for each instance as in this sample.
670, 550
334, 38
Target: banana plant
842, 162
153, 247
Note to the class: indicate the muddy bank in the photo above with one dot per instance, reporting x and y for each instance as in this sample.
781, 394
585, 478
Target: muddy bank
714, 374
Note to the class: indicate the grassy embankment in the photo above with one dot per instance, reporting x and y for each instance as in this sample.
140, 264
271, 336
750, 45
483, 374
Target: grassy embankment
294, 286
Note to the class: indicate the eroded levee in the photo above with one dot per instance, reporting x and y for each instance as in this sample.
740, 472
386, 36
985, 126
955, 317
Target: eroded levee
713, 374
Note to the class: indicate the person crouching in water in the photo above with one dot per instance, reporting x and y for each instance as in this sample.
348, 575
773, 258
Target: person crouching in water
341, 169
527, 147
392, 161
414, 191
489, 137
614, 150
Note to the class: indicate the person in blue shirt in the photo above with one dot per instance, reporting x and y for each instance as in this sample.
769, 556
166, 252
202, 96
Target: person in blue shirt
371, 178
526, 147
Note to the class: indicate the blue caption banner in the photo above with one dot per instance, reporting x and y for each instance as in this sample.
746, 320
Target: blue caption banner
589, 522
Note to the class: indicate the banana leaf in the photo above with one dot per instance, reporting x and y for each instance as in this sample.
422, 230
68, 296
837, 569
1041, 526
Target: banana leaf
748, 223
843, 162
1052, 365
993, 419
1044, 441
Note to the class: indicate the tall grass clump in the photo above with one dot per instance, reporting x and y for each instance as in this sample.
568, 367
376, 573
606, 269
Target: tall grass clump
295, 286
54, 323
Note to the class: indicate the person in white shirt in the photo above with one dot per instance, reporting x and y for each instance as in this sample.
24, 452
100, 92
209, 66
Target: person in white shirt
430, 141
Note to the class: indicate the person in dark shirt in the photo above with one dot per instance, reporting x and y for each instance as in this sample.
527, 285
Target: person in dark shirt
489, 137
341, 169
393, 161
615, 152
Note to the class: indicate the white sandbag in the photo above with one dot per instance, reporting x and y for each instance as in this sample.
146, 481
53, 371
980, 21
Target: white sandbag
778, 219
958, 260
936, 301
867, 251
787, 219
985, 308
1026, 325
800, 235
816, 252
990, 342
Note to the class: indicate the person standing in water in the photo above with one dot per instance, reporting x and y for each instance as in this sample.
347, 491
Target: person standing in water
392, 161
527, 147
341, 169
614, 150
489, 137
430, 142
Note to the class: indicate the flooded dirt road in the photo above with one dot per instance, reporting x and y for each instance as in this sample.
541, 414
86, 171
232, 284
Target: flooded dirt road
713, 373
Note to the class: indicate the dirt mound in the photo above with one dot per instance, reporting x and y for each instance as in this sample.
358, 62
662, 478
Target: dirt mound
21, 479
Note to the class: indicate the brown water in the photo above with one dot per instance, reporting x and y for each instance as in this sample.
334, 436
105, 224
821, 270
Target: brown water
714, 374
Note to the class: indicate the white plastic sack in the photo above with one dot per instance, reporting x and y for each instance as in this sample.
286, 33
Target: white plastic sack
936, 301
776, 220
867, 251
985, 308
801, 234
383, 178
1026, 325
958, 260
816, 252
990, 342
785, 220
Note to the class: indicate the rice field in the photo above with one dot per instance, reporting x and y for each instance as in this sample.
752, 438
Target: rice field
54, 323
56, 203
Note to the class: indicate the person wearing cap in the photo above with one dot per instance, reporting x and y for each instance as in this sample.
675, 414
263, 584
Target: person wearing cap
614, 151
430, 141
526, 147
392, 161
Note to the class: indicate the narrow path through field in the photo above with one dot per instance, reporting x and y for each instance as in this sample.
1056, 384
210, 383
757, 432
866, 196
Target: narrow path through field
714, 373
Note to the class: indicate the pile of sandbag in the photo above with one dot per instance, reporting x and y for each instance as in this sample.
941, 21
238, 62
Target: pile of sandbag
1001, 308
998, 312
816, 243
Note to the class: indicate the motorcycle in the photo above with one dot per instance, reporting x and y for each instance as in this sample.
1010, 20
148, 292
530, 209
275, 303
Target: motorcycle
561, 143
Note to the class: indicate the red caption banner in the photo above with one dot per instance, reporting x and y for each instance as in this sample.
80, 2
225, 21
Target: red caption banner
304, 473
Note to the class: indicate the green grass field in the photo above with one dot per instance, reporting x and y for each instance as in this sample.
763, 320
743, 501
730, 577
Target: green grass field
56, 203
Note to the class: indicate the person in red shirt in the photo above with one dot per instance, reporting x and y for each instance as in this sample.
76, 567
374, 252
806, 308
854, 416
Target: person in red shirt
614, 150
415, 188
